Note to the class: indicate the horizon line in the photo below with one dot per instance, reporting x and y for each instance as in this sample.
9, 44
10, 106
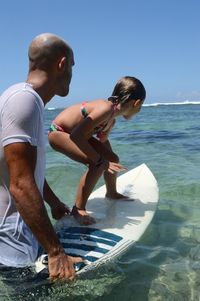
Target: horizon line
186, 102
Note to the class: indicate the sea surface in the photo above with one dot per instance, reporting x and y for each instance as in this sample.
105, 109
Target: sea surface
165, 264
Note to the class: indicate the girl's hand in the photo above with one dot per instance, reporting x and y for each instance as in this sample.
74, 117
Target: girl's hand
113, 167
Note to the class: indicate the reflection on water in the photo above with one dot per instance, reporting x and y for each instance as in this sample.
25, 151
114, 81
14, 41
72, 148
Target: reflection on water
24, 284
20, 284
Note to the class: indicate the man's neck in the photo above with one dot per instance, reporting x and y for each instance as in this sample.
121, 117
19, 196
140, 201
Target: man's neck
41, 84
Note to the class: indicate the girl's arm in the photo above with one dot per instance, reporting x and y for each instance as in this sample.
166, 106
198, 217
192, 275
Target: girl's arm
103, 135
84, 130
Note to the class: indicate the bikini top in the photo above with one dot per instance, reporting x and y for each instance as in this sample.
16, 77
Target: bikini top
101, 127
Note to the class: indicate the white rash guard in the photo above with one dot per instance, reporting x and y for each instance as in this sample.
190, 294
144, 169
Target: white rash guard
21, 120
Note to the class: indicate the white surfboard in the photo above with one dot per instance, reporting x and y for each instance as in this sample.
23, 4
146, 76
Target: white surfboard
119, 223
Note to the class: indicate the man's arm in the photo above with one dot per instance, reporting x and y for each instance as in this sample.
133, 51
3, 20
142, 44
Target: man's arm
58, 209
21, 159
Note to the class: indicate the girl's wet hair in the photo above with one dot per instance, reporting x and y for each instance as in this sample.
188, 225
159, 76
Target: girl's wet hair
128, 88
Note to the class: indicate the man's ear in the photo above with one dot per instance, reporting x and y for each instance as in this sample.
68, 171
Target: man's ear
137, 102
62, 63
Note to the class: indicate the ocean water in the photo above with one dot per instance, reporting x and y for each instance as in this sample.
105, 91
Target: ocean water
165, 264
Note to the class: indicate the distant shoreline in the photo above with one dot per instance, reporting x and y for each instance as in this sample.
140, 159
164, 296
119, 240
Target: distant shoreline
150, 104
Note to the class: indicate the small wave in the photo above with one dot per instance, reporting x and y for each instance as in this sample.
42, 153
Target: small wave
186, 102
51, 109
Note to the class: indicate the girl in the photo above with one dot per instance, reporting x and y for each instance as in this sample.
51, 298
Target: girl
73, 133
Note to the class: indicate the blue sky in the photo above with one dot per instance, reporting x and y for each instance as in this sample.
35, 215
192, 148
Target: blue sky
155, 40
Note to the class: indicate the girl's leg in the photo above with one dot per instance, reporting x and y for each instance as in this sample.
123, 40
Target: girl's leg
61, 142
106, 151
85, 187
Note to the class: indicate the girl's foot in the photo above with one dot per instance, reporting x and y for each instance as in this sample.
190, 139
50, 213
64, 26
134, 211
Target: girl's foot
82, 217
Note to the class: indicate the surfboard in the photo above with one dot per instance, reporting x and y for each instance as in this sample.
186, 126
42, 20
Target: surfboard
119, 223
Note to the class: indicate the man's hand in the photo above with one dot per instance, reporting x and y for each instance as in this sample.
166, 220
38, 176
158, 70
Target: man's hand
59, 209
61, 266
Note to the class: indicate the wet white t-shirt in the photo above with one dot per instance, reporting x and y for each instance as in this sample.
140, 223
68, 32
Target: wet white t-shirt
21, 120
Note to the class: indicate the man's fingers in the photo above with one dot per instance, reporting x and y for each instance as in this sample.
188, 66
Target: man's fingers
78, 259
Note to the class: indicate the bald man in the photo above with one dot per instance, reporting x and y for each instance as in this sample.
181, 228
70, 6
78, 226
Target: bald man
24, 222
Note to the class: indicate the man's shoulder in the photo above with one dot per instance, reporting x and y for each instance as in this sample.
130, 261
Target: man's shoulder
14, 88
20, 92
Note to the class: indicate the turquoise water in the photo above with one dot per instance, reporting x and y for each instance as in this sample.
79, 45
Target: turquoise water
165, 264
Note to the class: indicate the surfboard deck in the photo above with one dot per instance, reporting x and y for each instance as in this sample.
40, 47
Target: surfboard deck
119, 223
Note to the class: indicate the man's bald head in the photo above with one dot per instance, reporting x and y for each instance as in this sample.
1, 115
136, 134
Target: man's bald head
45, 49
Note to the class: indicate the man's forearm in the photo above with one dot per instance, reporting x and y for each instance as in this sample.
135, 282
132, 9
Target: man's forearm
49, 195
31, 207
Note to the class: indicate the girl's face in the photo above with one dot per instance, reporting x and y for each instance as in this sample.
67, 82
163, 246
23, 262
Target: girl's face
131, 108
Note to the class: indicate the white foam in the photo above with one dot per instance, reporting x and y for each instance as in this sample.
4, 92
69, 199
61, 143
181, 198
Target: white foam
186, 102
51, 109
